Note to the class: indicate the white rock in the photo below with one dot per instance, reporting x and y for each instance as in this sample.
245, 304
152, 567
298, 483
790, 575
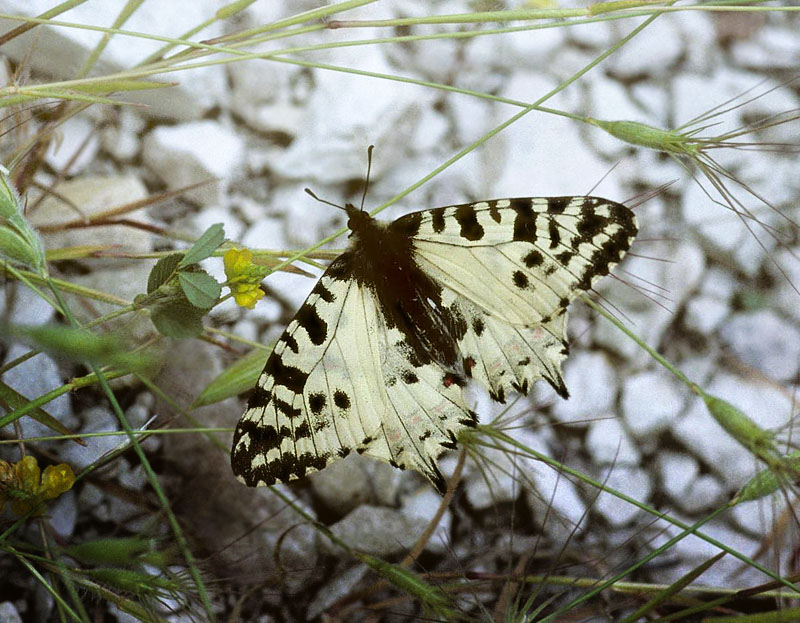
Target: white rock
421, 507
525, 48
677, 472
332, 146
62, 51
594, 35
120, 138
210, 216
592, 385
695, 94
264, 98
74, 134
200, 151
631, 481
703, 494
98, 420
94, 195
27, 306
704, 313
636, 58
611, 101
650, 403
334, 590
375, 530
35, 377
772, 48
765, 341
787, 288
759, 517
555, 497
727, 571
546, 156
699, 38
63, 515
267, 233
345, 484
608, 443
766, 405
9, 613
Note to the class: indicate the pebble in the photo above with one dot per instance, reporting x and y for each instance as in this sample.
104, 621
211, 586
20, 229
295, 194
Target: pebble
764, 341
630, 480
77, 134
200, 151
635, 59
705, 313
703, 494
336, 588
94, 195
61, 51
375, 530
420, 507
62, 515
766, 405
608, 443
554, 498
592, 385
35, 377
677, 471
650, 403
9, 613
98, 419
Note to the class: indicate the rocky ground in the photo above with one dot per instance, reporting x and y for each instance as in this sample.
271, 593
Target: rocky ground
714, 293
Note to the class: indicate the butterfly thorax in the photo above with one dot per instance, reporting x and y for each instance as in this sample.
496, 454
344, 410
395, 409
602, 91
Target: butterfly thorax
381, 259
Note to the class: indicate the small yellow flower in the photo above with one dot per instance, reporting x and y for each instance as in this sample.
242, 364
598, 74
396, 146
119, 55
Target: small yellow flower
24, 486
244, 277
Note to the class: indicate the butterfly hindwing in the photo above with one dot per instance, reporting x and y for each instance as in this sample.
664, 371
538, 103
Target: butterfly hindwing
376, 359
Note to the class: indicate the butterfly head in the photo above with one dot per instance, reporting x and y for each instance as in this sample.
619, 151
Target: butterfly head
358, 220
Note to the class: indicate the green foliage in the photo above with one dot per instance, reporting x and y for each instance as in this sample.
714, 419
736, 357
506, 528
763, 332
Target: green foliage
179, 292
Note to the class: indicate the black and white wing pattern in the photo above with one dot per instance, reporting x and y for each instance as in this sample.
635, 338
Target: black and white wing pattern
377, 357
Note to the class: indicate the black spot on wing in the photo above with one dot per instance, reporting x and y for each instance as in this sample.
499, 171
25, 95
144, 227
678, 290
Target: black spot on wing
565, 257
554, 233
478, 325
302, 431
494, 212
308, 318
341, 399
533, 259
289, 466
557, 205
259, 398
343, 452
524, 221
468, 220
294, 379
437, 220
285, 408
316, 402
520, 279
291, 343
409, 377
323, 292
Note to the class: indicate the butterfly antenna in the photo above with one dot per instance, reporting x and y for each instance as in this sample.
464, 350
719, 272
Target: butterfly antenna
311, 192
369, 168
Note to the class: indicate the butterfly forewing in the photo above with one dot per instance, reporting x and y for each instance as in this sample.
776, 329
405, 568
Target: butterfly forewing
377, 357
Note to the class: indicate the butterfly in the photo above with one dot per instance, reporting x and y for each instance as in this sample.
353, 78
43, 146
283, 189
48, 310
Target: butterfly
377, 358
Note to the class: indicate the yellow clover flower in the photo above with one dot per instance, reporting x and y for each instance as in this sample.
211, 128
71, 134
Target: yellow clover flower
244, 277
23, 485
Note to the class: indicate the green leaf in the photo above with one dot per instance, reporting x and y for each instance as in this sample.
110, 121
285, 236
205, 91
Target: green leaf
233, 380
15, 249
162, 271
178, 319
12, 400
82, 345
200, 288
205, 245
